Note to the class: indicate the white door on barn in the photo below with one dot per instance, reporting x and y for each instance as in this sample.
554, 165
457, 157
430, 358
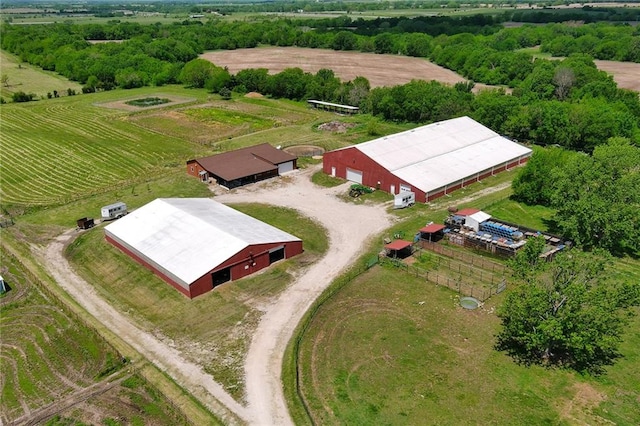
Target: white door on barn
354, 176
392, 189
285, 167
333, 171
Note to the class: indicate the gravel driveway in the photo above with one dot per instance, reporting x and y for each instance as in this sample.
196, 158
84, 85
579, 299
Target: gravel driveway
349, 228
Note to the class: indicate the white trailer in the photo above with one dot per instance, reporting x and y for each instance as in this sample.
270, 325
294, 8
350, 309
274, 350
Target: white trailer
114, 211
404, 199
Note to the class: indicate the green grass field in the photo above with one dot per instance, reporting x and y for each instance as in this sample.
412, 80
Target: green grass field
393, 349
26, 78
48, 354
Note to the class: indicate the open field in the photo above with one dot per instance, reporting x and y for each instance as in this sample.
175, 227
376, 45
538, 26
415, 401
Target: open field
212, 330
99, 148
53, 365
29, 79
392, 349
380, 70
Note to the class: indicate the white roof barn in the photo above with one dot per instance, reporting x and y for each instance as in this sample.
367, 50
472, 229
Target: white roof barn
186, 239
430, 159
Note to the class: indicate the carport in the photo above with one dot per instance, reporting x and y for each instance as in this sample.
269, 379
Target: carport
432, 232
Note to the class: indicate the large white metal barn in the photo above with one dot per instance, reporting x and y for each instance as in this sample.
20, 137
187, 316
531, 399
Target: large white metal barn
195, 244
431, 160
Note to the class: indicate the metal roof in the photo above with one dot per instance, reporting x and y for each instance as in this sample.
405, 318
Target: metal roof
433, 156
433, 228
244, 162
398, 245
188, 237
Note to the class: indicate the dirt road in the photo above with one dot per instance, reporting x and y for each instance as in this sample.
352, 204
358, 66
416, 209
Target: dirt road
349, 227
185, 373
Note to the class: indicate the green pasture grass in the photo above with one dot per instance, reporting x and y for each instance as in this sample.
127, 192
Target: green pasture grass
176, 183
57, 19
29, 79
536, 217
60, 150
45, 343
218, 324
393, 349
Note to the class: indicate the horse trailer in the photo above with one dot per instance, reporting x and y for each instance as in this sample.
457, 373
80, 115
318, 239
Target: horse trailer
114, 211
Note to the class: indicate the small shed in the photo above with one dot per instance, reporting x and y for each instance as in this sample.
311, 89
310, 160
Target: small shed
399, 249
474, 220
432, 232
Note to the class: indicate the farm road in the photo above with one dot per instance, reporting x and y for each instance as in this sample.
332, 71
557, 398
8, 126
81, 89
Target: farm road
187, 374
349, 228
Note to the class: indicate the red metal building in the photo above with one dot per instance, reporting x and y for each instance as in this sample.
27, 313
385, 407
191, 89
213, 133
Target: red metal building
195, 244
431, 160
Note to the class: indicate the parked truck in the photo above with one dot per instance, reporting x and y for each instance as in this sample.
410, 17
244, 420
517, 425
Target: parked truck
114, 211
404, 199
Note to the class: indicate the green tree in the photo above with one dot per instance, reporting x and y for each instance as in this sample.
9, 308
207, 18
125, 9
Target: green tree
527, 261
573, 315
195, 73
535, 182
597, 198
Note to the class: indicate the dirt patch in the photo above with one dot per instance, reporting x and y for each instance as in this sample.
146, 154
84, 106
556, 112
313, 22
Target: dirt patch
304, 150
380, 70
254, 95
122, 104
336, 126
579, 410
626, 74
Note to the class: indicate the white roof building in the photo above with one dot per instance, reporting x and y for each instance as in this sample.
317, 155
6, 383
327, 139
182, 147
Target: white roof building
431, 159
186, 239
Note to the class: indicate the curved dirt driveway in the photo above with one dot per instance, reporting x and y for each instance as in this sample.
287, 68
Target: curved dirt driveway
349, 227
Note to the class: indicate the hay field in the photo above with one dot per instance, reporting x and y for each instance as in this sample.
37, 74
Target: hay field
390, 348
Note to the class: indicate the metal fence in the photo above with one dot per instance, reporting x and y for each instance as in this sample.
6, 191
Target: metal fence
460, 284
467, 258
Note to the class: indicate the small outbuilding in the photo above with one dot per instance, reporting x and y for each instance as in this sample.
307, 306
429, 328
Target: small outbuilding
243, 166
399, 249
195, 244
432, 232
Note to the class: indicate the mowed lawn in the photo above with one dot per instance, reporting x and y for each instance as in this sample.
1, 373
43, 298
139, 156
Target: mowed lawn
392, 349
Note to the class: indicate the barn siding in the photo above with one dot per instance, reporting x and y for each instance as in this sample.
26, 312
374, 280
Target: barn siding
237, 263
373, 174
149, 266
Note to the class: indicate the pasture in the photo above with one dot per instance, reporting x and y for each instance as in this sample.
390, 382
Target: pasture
213, 330
392, 349
26, 78
56, 367
58, 151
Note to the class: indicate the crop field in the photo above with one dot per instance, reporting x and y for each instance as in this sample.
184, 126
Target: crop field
212, 330
54, 367
390, 349
26, 78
